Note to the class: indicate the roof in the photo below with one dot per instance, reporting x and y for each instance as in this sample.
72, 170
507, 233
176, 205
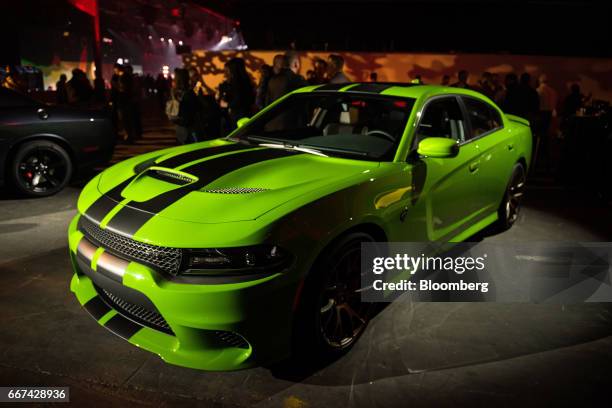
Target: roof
401, 89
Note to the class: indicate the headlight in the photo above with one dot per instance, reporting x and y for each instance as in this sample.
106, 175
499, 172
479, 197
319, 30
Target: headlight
225, 261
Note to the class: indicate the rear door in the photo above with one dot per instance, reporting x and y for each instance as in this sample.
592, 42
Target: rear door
487, 133
449, 190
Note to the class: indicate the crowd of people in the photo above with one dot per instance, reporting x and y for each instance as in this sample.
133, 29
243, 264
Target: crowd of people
127, 90
534, 100
199, 115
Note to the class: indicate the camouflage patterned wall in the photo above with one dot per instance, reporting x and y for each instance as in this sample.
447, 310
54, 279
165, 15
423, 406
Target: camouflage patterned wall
594, 75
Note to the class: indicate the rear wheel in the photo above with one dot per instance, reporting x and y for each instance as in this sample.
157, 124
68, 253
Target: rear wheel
331, 316
40, 168
510, 206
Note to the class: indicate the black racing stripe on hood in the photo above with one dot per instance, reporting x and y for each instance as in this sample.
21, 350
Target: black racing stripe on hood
131, 218
106, 202
202, 153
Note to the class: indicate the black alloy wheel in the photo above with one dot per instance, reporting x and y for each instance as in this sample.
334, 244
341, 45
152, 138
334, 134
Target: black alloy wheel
511, 204
343, 316
331, 315
41, 168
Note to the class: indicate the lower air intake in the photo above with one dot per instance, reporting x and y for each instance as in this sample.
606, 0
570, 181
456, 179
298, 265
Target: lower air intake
139, 314
231, 339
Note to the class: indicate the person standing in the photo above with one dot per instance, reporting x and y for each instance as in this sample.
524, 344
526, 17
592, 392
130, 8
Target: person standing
335, 70
265, 73
99, 88
78, 88
528, 99
548, 105
510, 102
485, 85
126, 103
236, 92
286, 80
188, 106
462, 80
320, 72
61, 92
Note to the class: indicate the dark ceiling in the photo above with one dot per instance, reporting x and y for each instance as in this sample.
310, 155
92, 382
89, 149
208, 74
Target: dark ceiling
528, 27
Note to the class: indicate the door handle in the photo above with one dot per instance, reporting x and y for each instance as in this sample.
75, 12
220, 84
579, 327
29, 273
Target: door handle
474, 166
42, 114
510, 146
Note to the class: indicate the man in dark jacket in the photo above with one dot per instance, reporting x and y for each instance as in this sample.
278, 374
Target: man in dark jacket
286, 79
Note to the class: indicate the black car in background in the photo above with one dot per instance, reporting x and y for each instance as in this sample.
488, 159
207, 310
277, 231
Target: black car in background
43, 146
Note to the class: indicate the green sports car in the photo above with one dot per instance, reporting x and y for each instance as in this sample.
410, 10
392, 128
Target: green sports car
233, 252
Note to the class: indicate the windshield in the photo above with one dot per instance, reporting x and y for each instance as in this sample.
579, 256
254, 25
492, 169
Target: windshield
339, 124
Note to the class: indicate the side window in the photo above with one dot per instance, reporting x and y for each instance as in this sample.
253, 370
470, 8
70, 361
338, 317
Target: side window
482, 116
442, 118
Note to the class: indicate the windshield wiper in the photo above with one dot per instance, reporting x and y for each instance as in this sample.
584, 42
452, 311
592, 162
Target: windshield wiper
292, 147
318, 150
281, 144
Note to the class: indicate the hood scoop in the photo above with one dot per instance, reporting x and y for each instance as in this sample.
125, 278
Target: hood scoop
235, 190
170, 176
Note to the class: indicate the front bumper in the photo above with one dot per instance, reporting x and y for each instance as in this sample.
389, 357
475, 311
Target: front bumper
221, 326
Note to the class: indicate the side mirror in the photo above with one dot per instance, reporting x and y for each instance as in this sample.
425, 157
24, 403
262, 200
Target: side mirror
438, 147
242, 121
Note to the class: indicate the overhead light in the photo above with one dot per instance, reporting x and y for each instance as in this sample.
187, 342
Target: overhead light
170, 40
162, 39
180, 42
120, 61
150, 37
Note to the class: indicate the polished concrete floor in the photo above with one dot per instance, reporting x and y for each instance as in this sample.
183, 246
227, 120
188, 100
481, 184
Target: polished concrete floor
412, 355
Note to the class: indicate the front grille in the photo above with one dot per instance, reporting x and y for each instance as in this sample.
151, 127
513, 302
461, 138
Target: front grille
134, 312
163, 258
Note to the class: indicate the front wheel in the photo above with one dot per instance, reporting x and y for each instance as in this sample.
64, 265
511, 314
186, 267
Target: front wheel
510, 206
40, 168
332, 316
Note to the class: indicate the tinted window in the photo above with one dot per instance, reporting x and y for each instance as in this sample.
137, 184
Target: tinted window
337, 124
442, 118
483, 117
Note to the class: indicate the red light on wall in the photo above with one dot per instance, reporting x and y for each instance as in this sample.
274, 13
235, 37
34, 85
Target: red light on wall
175, 12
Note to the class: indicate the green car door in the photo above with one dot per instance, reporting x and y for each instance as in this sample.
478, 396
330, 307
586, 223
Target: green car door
450, 189
497, 149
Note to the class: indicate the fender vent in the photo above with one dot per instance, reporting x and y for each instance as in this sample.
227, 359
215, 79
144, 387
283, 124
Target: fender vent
236, 190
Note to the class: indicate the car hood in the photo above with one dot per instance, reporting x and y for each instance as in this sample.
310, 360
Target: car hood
234, 186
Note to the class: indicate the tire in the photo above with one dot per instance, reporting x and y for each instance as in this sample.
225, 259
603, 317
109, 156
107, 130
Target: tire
510, 205
40, 168
320, 304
